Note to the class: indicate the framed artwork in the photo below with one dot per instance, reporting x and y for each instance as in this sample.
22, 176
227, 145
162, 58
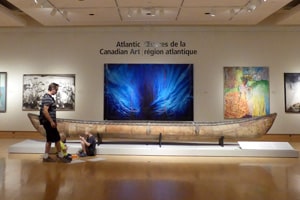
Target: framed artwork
148, 91
3, 91
246, 92
36, 85
292, 92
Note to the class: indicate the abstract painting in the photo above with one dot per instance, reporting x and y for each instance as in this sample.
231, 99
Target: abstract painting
161, 92
246, 92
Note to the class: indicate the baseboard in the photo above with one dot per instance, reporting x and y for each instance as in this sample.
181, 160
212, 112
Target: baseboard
21, 135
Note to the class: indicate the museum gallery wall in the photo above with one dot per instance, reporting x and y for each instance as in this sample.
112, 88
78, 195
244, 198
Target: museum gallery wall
161, 91
233, 75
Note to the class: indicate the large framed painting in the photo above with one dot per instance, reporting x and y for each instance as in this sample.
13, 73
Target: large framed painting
292, 92
246, 92
36, 85
3, 91
162, 92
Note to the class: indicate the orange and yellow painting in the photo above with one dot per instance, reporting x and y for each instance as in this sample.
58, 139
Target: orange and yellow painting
246, 92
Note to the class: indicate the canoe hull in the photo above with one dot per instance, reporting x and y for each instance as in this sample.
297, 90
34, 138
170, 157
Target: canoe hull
173, 131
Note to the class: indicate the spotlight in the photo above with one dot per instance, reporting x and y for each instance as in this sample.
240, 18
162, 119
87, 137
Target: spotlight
139, 11
234, 11
65, 13
161, 11
53, 11
129, 12
251, 6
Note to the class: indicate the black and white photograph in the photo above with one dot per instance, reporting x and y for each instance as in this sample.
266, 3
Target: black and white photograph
292, 92
36, 85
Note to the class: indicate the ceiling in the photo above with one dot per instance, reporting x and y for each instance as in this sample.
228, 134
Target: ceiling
66, 13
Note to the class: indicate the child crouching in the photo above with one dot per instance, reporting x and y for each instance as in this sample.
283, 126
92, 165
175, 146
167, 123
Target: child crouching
64, 147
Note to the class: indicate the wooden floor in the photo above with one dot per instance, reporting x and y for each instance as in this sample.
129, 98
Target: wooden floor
25, 176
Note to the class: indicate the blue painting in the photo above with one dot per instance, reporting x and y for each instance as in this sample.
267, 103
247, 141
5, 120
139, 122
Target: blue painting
148, 92
3, 91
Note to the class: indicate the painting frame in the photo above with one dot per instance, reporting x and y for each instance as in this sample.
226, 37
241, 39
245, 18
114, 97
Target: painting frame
36, 85
3, 91
291, 92
246, 91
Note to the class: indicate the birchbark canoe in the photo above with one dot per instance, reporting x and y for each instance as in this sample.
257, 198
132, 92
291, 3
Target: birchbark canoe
153, 130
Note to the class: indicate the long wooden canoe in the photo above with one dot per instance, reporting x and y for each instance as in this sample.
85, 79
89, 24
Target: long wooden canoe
168, 131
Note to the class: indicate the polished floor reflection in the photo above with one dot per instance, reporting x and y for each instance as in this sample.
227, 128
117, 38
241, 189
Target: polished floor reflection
24, 176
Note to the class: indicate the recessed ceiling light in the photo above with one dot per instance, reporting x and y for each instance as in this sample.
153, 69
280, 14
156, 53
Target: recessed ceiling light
210, 14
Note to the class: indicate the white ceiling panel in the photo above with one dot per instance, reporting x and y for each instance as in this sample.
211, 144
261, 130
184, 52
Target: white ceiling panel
43, 16
148, 14
149, 3
203, 16
84, 3
94, 16
214, 3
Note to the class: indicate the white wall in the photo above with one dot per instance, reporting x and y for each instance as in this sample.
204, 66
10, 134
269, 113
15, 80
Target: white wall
76, 51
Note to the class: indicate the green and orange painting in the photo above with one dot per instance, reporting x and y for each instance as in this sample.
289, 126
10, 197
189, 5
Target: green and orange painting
246, 92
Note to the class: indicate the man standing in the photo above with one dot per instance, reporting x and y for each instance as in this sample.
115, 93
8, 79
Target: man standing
48, 120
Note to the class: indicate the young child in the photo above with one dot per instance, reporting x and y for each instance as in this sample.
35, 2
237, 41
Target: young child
88, 144
64, 147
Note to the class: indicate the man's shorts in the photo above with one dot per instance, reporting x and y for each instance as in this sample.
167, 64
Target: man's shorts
52, 134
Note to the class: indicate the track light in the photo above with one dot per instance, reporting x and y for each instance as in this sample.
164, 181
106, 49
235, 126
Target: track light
149, 11
65, 13
53, 11
129, 12
139, 11
251, 8
161, 11
234, 11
